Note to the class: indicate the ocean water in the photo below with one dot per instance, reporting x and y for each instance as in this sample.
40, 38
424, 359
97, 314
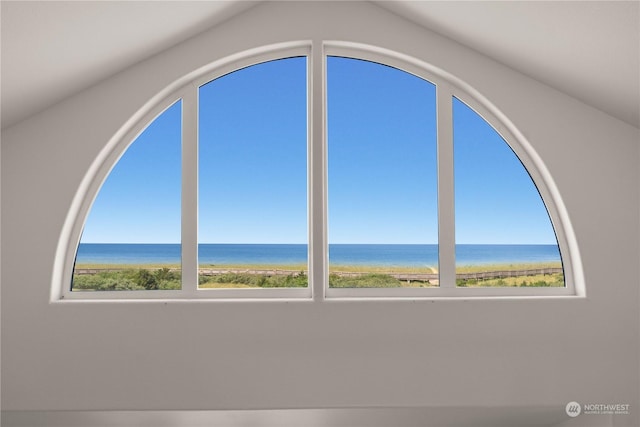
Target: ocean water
339, 254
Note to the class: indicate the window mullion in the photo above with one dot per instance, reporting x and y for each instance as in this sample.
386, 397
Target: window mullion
190, 190
446, 208
317, 175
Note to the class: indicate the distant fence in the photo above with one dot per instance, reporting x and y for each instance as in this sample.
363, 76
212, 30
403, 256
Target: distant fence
481, 275
484, 275
81, 271
422, 277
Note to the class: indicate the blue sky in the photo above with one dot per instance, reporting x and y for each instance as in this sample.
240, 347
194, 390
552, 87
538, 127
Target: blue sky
381, 155
253, 155
495, 198
140, 200
382, 168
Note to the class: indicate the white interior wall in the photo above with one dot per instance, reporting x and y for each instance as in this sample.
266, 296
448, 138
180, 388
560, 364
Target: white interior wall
253, 355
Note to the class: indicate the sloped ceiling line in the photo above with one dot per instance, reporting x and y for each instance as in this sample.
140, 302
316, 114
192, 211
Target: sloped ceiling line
588, 50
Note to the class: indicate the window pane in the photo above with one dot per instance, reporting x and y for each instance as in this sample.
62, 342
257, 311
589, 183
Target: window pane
504, 236
253, 177
131, 240
382, 176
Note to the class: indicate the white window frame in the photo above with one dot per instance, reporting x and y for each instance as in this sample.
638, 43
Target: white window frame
316, 52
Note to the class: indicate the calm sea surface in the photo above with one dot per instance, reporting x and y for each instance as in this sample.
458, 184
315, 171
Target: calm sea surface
391, 255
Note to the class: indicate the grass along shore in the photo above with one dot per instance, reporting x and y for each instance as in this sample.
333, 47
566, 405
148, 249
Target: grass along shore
101, 277
524, 278
476, 268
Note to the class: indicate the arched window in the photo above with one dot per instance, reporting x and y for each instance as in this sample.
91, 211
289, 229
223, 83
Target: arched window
131, 239
346, 171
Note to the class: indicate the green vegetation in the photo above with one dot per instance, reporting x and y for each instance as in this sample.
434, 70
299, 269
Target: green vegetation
372, 280
505, 267
535, 281
248, 280
127, 280
163, 278
152, 277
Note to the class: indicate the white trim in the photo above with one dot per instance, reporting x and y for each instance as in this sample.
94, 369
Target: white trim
189, 216
88, 191
446, 194
224, 67
165, 297
318, 246
545, 185
316, 54
108, 157
571, 261
436, 292
248, 58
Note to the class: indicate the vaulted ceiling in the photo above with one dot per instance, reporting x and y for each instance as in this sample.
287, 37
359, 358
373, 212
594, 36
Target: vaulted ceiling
589, 50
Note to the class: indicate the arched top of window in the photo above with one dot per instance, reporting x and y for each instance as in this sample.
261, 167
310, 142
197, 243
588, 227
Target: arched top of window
303, 170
